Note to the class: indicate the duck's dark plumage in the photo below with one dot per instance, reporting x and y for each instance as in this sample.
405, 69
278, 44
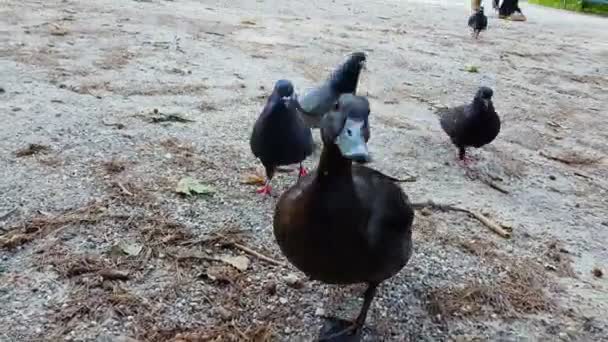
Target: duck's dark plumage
343, 80
345, 223
279, 135
475, 124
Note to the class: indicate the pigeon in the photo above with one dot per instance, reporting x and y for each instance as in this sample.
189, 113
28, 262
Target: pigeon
279, 135
343, 80
478, 22
475, 124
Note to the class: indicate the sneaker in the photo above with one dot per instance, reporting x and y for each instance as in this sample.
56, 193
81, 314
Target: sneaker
517, 16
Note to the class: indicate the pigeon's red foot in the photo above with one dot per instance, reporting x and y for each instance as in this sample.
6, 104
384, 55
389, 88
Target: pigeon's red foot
265, 190
466, 161
303, 171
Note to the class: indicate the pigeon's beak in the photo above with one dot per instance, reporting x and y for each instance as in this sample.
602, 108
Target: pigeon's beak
288, 100
486, 102
363, 65
351, 141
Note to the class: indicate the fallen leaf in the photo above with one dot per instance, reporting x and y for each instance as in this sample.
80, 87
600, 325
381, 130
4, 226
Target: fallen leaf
240, 262
254, 180
190, 186
471, 68
132, 249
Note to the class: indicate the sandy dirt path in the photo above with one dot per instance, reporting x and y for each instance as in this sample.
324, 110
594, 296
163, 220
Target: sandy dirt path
96, 246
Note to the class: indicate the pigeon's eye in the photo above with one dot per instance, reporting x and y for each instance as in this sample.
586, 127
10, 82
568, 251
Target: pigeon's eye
336, 107
349, 132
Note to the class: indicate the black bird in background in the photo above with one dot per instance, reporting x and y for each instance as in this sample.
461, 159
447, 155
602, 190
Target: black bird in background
475, 124
478, 22
279, 135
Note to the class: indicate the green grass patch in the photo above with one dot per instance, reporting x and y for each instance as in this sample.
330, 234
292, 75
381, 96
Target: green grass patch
588, 6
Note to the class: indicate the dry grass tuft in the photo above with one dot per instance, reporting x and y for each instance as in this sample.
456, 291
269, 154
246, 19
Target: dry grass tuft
162, 231
31, 150
558, 259
519, 290
45, 224
185, 156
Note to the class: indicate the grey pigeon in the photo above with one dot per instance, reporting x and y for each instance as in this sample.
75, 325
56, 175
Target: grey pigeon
279, 135
343, 80
475, 124
478, 22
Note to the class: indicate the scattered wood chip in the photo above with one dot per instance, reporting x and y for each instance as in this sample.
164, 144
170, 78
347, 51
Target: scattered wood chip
227, 241
488, 180
248, 22
32, 149
57, 30
169, 118
496, 228
118, 125
215, 33
221, 274
240, 262
110, 274
253, 179
573, 159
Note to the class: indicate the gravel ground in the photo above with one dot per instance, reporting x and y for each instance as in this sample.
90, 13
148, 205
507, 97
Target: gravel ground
95, 245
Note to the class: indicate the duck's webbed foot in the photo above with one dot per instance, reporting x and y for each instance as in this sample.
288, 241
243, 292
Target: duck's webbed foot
340, 330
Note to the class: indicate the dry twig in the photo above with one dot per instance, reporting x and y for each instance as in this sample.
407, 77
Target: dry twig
230, 242
496, 228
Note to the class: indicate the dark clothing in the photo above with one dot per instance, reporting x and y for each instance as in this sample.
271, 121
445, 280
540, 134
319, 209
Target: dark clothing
508, 7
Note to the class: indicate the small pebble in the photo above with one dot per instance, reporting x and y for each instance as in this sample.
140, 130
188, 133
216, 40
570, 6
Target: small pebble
224, 313
597, 272
283, 300
320, 312
552, 177
425, 212
293, 280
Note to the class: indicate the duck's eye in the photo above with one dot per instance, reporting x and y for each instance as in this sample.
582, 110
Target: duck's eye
349, 132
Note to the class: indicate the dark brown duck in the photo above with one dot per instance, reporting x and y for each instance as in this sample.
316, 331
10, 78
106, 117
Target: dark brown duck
345, 223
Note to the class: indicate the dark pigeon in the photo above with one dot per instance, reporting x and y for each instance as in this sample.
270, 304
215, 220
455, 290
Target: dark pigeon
478, 22
279, 135
343, 80
475, 124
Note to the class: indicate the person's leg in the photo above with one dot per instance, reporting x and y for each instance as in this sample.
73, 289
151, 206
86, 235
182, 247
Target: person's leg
475, 4
510, 10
